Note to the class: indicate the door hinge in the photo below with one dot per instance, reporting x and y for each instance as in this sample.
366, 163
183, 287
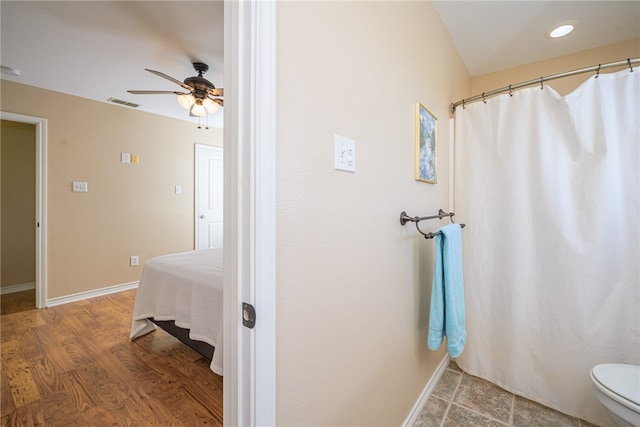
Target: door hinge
248, 315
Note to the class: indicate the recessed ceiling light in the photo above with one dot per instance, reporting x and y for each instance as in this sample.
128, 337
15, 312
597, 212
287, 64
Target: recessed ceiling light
561, 29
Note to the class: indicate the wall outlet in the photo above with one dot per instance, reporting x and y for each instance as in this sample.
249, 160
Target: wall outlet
134, 260
345, 154
134, 159
80, 186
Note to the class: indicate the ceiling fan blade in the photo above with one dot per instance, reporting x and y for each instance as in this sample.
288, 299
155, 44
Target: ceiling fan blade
218, 101
171, 79
157, 92
216, 92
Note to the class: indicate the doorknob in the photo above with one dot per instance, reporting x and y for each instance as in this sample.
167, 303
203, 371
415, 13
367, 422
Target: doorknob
201, 216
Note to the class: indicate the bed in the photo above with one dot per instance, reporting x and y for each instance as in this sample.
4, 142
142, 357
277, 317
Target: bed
182, 293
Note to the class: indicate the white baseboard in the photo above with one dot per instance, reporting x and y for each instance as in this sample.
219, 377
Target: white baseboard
12, 289
91, 294
424, 396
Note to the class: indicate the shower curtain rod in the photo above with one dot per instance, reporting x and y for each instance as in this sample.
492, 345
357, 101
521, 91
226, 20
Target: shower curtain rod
628, 62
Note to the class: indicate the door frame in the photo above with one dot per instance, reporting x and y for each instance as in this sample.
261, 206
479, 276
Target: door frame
250, 211
41, 200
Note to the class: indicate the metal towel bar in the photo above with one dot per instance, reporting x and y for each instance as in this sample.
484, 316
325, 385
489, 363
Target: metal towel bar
404, 218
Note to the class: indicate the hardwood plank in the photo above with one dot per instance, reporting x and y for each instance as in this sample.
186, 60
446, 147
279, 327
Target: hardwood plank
106, 418
27, 416
74, 364
57, 359
161, 413
29, 344
22, 385
7, 330
78, 352
26, 320
194, 383
6, 400
45, 375
75, 392
18, 373
18, 301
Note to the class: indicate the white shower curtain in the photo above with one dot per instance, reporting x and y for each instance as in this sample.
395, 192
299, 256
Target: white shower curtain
549, 189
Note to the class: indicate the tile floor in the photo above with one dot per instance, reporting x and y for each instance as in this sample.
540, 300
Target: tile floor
459, 399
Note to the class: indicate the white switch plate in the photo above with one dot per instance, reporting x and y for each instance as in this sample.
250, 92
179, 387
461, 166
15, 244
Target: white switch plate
178, 189
134, 260
345, 154
125, 157
80, 186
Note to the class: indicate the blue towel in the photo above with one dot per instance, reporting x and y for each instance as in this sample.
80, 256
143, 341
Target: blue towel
447, 314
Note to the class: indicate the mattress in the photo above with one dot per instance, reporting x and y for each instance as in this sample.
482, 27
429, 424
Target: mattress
187, 289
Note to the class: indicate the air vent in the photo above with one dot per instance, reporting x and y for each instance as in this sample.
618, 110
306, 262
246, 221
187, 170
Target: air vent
121, 102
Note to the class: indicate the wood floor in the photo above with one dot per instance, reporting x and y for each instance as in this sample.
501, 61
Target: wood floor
74, 365
18, 301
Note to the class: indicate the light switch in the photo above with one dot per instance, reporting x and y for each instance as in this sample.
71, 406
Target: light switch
80, 186
345, 154
178, 189
125, 158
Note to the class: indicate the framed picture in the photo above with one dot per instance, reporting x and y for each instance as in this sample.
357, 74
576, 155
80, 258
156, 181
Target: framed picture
426, 145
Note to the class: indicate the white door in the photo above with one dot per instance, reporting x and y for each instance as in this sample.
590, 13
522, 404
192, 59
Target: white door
209, 196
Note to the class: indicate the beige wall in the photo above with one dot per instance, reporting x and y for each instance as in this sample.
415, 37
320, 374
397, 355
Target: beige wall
17, 180
129, 209
587, 58
353, 285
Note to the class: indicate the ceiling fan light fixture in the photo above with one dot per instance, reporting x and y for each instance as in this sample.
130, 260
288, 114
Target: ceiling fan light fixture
198, 110
211, 106
186, 100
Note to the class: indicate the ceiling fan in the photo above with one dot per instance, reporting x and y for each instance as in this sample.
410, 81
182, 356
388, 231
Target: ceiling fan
202, 96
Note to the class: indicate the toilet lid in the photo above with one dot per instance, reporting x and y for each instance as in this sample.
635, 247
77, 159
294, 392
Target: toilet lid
623, 380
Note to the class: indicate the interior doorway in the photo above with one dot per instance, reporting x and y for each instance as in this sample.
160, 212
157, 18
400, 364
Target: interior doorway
23, 207
17, 224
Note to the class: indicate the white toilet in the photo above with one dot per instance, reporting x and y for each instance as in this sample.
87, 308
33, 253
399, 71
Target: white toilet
617, 387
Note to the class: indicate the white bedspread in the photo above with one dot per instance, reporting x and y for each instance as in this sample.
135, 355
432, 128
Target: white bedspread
187, 288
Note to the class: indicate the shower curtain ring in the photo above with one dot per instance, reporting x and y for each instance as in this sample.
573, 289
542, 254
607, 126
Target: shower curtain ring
598, 71
541, 85
463, 106
510, 91
483, 98
630, 67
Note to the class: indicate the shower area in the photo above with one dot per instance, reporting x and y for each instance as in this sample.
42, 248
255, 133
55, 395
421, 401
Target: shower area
550, 185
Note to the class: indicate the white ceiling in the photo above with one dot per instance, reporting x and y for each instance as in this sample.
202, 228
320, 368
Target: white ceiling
496, 35
98, 50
